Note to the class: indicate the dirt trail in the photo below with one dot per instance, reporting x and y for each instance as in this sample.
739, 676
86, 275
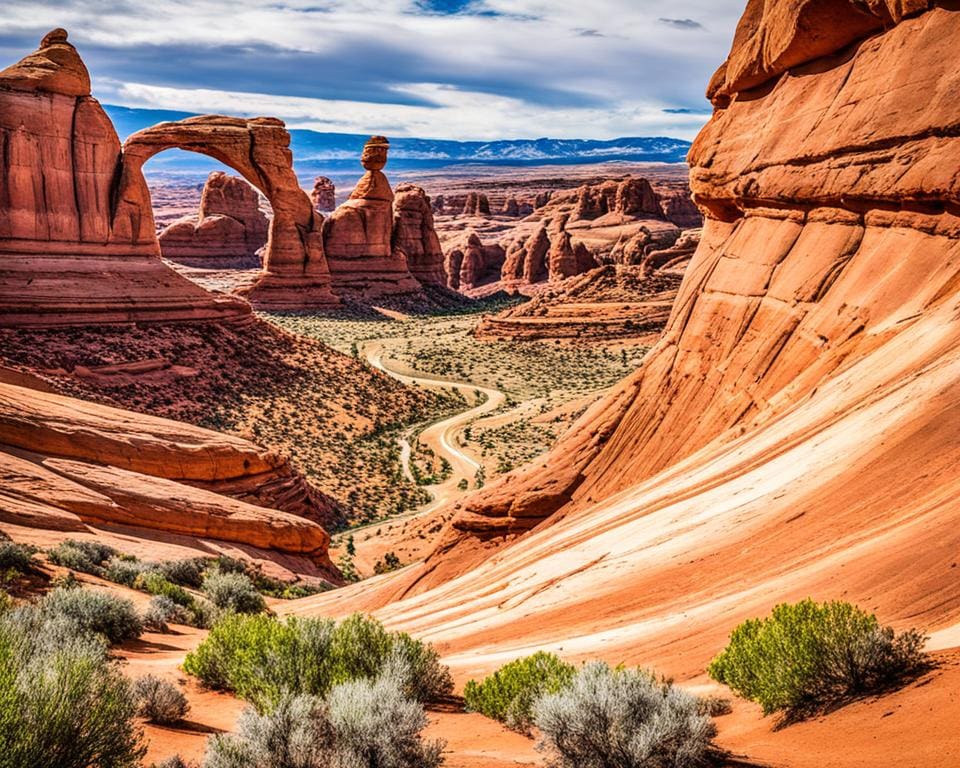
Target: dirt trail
441, 436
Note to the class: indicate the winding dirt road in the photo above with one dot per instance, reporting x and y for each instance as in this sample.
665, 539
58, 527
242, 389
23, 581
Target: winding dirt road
441, 436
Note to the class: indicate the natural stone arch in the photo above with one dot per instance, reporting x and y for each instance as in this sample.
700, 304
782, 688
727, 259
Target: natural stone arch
295, 272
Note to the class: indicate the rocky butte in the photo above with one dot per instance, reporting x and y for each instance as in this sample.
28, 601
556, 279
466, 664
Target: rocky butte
228, 231
794, 431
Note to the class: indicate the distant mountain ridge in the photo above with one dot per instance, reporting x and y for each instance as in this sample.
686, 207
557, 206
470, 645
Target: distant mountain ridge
337, 154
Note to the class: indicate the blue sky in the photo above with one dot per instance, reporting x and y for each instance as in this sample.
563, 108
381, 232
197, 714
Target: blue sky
459, 69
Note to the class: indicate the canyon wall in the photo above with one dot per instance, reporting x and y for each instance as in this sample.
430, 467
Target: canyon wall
795, 431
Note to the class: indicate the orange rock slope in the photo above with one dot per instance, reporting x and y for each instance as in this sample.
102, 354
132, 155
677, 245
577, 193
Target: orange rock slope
795, 431
67, 465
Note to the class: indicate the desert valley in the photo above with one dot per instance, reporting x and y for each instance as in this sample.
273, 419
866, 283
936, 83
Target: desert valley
562, 454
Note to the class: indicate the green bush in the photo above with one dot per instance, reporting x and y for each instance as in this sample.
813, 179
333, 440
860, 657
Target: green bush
259, 657
159, 701
186, 573
63, 703
6, 602
16, 557
163, 611
93, 612
84, 556
233, 592
123, 570
808, 656
622, 718
155, 583
508, 695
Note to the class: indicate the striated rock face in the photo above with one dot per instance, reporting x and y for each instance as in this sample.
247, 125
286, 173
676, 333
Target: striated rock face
66, 463
825, 284
535, 257
561, 259
358, 236
453, 263
68, 254
415, 237
229, 230
324, 194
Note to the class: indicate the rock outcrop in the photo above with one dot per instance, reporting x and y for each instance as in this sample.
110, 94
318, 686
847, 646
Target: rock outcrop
511, 207
415, 237
66, 464
358, 236
324, 194
481, 263
452, 264
295, 273
229, 230
476, 204
72, 252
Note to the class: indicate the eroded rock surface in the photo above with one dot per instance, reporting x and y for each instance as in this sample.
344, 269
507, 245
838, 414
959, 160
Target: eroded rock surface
323, 194
415, 236
228, 231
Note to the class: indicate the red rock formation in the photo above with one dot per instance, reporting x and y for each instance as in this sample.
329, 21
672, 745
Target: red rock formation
415, 237
561, 259
477, 204
481, 263
358, 236
66, 463
229, 230
635, 197
439, 204
453, 263
828, 254
295, 273
324, 194
68, 256
535, 257
511, 207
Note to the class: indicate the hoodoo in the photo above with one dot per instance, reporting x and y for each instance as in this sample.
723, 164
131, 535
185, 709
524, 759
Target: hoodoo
70, 254
415, 237
358, 236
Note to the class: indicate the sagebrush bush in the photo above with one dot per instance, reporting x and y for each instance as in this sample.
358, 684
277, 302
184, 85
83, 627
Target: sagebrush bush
94, 612
6, 602
174, 761
808, 656
259, 658
63, 702
159, 700
186, 573
162, 611
362, 724
155, 583
16, 557
84, 556
508, 695
124, 570
623, 718
233, 592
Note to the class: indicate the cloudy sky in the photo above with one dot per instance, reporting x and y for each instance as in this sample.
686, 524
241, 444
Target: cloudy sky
459, 69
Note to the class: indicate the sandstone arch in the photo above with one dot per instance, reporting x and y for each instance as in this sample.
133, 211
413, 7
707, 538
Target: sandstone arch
295, 271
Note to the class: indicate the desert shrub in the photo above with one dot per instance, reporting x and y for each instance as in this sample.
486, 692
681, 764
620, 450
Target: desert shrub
171, 762
259, 658
159, 701
233, 592
122, 570
621, 718
186, 573
16, 557
205, 614
162, 611
63, 703
715, 706
508, 695
227, 564
362, 724
83, 556
6, 602
155, 583
94, 612
376, 726
808, 656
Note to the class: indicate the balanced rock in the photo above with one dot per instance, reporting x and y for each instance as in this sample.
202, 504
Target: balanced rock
324, 194
358, 236
229, 231
414, 235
